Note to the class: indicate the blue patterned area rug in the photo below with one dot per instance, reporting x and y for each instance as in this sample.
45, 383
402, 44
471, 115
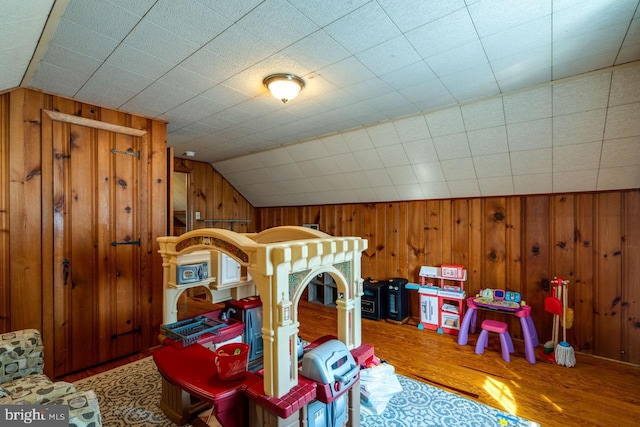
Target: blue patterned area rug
130, 396
422, 405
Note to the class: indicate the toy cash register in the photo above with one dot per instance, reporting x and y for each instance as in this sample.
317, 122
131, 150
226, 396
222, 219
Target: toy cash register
498, 299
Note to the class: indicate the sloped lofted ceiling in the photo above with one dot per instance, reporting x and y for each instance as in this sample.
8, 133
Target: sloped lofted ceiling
404, 99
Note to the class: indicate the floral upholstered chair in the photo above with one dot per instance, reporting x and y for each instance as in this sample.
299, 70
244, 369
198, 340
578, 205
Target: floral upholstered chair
22, 380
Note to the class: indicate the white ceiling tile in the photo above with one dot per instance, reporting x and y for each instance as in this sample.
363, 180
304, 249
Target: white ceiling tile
420, 151
212, 66
458, 169
533, 184
496, 186
335, 144
378, 177
411, 75
488, 141
491, 17
483, 114
428, 171
530, 135
472, 83
82, 40
532, 162
436, 190
70, 60
463, 188
225, 95
138, 62
578, 17
446, 33
317, 50
623, 121
191, 20
528, 105
356, 179
170, 94
621, 152
238, 164
328, 10
391, 55
364, 195
524, 70
369, 159
23, 32
346, 72
291, 24
465, 57
102, 17
393, 155
358, 140
409, 15
625, 86
409, 192
139, 7
618, 178
579, 127
287, 171
235, 40
572, 181
368, 89
587, 93
363, 28
454, 146
173, 48
577, 157
61, 77
492, 165
445, 122
346, 162
307, 151
428, 95
412, 128
383, 134
581, 65
534, 35
18, 10
386, 193
401, 175
630, 50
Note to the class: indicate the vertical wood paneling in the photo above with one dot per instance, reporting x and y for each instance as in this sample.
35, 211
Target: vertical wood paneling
533, 238
25, 188
630, 288
536, 257
5, 323
494, 243
513, 244
608, 298
30, 211
583, 327
563, 245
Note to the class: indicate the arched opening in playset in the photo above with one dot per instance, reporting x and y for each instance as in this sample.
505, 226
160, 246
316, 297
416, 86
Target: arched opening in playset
281, 262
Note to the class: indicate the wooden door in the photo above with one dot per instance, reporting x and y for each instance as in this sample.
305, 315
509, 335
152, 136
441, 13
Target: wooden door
96, 243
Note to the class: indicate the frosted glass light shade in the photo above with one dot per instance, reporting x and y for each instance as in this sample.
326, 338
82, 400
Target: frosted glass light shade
284, 87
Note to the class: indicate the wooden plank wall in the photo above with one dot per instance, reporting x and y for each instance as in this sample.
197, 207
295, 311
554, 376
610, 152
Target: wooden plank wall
519, 243
21, 210
215, 198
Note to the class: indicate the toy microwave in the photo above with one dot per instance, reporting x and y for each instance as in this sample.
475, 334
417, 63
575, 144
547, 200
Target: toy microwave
191, 273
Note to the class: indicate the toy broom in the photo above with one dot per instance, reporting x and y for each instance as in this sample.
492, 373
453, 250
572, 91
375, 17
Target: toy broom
564, 352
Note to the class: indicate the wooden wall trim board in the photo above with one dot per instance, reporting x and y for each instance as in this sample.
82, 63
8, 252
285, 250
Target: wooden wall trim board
516, 242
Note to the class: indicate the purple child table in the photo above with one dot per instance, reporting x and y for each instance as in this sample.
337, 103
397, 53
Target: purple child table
522, 311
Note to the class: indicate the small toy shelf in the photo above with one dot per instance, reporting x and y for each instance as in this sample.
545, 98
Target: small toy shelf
442, 305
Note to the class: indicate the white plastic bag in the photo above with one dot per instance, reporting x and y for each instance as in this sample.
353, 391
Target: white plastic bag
377, 385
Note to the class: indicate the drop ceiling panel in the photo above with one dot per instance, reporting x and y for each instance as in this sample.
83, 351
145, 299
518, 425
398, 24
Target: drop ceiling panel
391, 86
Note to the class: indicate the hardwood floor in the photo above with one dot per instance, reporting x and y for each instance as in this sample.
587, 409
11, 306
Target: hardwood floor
596, 392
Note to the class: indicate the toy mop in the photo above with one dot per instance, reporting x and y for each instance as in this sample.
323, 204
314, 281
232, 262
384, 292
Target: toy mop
564, 352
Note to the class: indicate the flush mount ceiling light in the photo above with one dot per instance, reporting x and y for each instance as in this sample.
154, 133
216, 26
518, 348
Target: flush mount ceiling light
283, 86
